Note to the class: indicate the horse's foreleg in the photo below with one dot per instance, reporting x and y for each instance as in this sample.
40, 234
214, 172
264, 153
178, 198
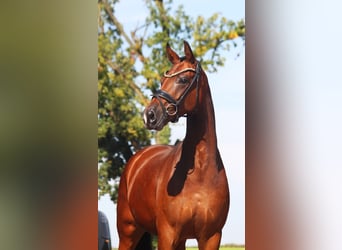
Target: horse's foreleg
129, 237
213, 243
168, 239
129, 232
165, 242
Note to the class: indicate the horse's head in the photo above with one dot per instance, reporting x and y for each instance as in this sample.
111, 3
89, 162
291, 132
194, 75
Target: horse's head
179, 92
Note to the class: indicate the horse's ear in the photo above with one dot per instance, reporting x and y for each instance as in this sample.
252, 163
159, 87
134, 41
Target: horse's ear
173, 57
188, 52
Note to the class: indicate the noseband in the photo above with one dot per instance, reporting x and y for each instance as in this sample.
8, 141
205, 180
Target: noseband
171, 108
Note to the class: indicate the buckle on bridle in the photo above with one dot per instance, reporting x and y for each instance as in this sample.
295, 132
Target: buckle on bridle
171, 109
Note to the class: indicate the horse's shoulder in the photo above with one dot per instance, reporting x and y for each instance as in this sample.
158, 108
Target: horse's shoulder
150, 153
157, 150
148, 160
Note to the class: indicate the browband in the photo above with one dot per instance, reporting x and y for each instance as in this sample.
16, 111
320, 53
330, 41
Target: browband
179, 72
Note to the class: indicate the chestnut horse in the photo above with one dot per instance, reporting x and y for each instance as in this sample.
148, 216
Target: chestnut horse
176, 192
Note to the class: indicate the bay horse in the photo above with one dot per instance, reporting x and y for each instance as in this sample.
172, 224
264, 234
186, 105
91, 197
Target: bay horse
176, 192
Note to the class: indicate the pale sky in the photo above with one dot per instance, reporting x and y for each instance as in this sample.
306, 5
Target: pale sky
228, 93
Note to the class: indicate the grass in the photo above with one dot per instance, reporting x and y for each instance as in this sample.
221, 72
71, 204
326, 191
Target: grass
222, 248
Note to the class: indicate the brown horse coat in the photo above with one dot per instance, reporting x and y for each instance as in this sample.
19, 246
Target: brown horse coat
176, 192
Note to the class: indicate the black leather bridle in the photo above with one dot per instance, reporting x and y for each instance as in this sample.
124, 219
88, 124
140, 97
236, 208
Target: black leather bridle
171, 108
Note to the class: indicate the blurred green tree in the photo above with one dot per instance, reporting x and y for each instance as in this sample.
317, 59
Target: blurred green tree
129, 67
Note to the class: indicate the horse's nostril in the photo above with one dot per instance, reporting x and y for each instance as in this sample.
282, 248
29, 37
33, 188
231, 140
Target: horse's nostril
151, 116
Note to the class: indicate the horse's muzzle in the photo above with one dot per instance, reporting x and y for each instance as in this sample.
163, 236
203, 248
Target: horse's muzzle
153, 118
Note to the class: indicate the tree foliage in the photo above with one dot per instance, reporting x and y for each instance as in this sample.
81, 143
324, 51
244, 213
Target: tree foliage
129, 66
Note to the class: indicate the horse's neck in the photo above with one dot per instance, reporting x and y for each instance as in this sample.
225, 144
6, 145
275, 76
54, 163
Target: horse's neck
201, 131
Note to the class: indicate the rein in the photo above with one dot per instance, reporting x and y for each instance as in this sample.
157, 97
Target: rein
171, 108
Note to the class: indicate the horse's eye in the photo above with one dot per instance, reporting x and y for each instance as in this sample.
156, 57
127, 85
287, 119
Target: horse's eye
182, 80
